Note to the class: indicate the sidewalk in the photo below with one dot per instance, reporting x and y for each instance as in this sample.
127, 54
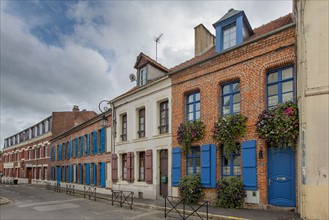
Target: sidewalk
213, 212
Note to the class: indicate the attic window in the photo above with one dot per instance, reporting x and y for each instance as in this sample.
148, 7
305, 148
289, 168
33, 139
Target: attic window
229, 37
142, 76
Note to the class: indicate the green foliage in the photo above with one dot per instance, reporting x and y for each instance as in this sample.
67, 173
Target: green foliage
190, 189
279, 126
228, 130
188, 132
230, 193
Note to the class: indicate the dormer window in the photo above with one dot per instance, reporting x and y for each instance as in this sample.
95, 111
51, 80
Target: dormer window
231, 30
142, 76
229, 36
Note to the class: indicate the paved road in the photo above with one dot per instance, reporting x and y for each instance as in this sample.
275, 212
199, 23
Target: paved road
28, 202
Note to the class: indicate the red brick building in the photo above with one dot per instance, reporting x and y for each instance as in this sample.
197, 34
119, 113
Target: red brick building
26, 154
240, 70
81, 155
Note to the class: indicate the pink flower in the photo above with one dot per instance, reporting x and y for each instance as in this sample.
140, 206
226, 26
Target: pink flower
289, 111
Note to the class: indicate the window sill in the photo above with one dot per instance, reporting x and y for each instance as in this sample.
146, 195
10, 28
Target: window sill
122, 142
122, 182
140, 184
162, 135
140, 139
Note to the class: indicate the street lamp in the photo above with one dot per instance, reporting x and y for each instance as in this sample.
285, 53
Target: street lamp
103, 108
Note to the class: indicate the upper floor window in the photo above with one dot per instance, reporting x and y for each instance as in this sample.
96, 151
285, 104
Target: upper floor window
35, 131
193, 106
124, 127
142, 76
193, 161
280, 86
141, 123
164, 117
229, 37
231, 98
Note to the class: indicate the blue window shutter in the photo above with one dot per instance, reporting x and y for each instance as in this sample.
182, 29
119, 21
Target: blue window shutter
88, 173
59, 177
69, 151
81, 173
176, 166
72, 149
95, 174
102, 172
95, 142
208, 165
249, 167
102, 140
81, 146
60, 152
64, 151
51, 154
88, 144
54, 154
76, 146
69, 174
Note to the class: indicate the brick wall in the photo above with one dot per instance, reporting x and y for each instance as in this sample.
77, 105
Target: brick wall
63, 121
98, 158
248, 64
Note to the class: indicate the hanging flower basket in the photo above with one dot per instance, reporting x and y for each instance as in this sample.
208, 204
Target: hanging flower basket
228, 130
279, 126
188, 132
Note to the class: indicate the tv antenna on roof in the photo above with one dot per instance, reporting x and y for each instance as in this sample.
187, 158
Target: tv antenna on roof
157, 41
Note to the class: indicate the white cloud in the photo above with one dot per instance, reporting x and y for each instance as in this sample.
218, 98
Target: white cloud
97, 57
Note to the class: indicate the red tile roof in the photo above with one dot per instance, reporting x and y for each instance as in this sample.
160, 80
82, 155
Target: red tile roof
262, 30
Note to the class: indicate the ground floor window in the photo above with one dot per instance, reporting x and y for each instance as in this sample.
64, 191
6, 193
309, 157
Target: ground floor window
193, 161
124, 166
141, 166
231, 166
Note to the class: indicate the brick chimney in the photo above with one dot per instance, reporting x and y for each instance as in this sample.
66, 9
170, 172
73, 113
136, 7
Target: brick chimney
75, 108
204, 40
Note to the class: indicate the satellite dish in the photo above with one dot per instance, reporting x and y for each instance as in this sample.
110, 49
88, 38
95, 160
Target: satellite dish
132, 77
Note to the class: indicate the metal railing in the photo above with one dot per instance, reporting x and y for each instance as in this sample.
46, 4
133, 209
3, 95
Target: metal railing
91, 192
7, 181
57, 187
70, 189
48, 185
183, 209
123, 197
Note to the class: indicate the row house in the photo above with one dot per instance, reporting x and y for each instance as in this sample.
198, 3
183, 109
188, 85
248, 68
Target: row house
312, 18
26, 154
142, 133
82, 154
237, 70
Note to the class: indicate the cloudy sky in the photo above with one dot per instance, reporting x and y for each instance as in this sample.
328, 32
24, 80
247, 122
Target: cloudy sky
56, 54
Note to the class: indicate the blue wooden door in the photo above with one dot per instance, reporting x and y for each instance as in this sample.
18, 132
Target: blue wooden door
281, 177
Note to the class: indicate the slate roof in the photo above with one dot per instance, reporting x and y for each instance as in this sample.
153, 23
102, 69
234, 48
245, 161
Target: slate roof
230, 13
262, 30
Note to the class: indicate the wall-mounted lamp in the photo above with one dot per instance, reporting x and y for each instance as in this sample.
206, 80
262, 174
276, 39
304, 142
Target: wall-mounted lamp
260, 154
103, 110
104, 121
